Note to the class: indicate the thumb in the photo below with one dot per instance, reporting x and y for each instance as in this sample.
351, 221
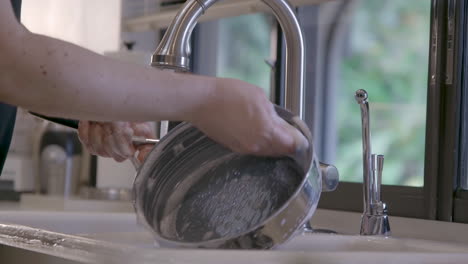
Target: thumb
291, 139
300, 142
143, 151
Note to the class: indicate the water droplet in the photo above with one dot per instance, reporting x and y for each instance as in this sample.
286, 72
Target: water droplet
283, 221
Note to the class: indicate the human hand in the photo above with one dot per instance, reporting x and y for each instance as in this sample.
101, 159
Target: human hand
240, 116
114, 139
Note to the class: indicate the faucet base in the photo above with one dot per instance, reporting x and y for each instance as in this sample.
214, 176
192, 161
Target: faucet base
376, 223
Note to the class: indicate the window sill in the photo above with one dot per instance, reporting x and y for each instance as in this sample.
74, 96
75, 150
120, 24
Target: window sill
401, 200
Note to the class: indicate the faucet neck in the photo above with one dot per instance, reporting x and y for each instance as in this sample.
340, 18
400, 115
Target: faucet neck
174, 50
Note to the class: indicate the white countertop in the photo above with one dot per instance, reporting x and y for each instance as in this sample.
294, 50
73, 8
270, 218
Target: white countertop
87, 236
4, 205
112, 227
34, 202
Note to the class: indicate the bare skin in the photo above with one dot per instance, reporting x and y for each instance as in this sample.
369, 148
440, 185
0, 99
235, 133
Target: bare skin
57, 78
114, 139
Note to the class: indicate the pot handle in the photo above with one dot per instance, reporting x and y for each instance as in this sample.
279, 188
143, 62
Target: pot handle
138, 141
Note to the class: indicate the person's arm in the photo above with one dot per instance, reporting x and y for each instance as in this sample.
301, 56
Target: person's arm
54, 77
57, 78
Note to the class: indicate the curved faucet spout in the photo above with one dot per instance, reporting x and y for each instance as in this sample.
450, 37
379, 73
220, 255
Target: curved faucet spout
174, 50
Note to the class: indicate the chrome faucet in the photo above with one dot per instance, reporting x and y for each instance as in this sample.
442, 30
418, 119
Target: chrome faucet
374, 219
174, 53
174, 50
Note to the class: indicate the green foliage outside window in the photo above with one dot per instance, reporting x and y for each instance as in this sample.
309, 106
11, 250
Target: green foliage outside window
387, 55
245, 43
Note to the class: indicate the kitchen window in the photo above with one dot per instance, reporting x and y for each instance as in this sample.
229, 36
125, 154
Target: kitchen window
385, 53
238, 47
409, 56
456, 85
425, 168
382, 47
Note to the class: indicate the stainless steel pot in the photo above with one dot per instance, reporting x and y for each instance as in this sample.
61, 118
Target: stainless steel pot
192, 192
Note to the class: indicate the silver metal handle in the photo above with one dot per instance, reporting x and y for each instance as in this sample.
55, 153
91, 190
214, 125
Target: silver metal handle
361, 98
139, 141
173, 51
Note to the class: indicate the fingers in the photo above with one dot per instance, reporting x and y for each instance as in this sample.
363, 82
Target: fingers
290, 139
96, 139
279, 139
110, 145
143, 151
83, 134
110, 139
88, 133
114, 139
145, 130
267, 136
122, 134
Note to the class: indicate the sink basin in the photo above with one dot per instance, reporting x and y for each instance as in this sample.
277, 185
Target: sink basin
116, 237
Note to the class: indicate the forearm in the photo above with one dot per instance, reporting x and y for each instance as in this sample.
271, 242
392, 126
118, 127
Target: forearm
60, 79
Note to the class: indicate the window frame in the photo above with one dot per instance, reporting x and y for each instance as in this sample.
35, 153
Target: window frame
435, 199
438, 199
460, 197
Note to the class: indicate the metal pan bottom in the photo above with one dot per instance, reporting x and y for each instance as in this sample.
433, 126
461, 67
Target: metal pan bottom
192, 192
226, 197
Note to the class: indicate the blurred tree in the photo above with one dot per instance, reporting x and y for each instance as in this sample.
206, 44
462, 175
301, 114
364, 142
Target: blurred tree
389, 46
245, 41
388, 56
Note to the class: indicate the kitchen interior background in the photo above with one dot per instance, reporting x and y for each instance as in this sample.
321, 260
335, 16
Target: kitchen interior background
383, 48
